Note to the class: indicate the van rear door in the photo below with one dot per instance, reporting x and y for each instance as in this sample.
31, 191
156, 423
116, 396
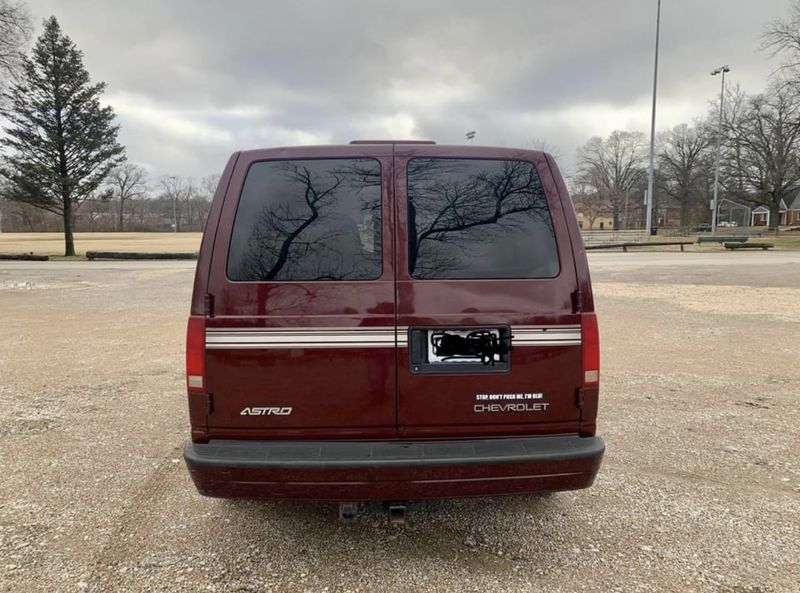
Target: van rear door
486, 295
300, 335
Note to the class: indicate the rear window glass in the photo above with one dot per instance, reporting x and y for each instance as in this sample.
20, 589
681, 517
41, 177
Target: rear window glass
474, 218
308, 220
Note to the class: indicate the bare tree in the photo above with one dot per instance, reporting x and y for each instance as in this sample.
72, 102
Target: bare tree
613, 168
128, 181
15, 31
202, 198
450, 207
143, 211
276, 238
208, 186
94, 209
178, 191
782, 37
189, 203
762, 146
544, 145
683, 159
589, 203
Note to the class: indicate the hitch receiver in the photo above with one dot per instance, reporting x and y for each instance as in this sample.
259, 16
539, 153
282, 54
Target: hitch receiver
397, 513
348, 511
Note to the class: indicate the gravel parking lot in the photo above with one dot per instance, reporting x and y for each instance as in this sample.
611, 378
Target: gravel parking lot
700, 489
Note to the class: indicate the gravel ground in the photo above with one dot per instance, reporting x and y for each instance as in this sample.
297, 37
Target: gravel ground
699, 491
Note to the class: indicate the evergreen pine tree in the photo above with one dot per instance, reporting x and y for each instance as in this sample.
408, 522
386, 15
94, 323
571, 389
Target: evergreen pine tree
60, 143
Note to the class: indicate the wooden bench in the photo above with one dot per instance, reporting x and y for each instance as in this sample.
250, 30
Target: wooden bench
723, 239
92, 255
763, 246
24, 256
625, 246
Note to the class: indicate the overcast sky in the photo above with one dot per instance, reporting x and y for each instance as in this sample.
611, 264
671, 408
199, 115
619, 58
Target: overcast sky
193, 81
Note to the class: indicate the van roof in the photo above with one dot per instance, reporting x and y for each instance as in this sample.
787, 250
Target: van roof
392, 142
385, 146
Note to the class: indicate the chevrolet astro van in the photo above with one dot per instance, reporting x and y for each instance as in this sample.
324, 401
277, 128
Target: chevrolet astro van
391, 321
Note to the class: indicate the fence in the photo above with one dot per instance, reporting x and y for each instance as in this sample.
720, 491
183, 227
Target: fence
621, 236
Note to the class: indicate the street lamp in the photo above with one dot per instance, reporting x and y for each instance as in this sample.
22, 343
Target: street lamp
172, 192
722, 70
649, 218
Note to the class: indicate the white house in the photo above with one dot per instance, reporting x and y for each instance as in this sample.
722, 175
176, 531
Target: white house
759, 216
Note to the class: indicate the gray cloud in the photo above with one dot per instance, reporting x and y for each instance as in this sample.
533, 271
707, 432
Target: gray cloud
194, 81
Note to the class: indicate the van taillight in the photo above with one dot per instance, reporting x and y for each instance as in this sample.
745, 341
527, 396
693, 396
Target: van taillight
196, 354
590, 345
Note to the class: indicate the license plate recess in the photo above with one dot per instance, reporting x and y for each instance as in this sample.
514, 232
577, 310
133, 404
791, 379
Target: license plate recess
447, 350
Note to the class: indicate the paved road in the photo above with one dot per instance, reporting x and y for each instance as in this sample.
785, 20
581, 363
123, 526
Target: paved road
700, 489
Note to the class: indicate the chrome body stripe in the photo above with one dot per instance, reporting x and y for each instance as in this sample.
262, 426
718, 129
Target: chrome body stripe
303, 337
553, 335
368, 337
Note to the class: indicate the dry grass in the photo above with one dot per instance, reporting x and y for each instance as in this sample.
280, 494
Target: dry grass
786, 241
53, 243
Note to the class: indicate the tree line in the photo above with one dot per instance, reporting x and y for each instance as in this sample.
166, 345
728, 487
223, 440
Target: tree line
131, 201
759, 162
758, 142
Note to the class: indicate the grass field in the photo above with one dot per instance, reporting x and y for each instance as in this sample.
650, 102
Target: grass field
53, 243
786, 241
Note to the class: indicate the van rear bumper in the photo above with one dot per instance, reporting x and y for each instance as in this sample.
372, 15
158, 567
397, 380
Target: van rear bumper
389, 470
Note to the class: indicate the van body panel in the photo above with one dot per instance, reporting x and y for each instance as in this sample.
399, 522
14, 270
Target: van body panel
209, 235
590, 395
198, 405
551, 373
261, 357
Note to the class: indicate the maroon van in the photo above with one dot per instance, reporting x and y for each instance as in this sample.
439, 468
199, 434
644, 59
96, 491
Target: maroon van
392, 321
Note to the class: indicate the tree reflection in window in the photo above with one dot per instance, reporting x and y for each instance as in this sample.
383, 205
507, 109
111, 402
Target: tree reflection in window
473, 218
308, 220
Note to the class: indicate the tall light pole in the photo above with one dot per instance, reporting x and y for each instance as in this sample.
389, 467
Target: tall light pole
173, 190
722, 70
649, 219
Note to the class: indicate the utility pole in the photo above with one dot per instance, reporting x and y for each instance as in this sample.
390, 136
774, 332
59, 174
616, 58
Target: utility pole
649, 218
174, 193
721, 70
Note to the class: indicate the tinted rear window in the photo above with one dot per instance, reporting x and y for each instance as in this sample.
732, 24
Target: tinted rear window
308, 220
471, 218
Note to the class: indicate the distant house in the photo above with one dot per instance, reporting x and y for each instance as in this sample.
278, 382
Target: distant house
600, 223
789, 215
667, 212
793, 212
